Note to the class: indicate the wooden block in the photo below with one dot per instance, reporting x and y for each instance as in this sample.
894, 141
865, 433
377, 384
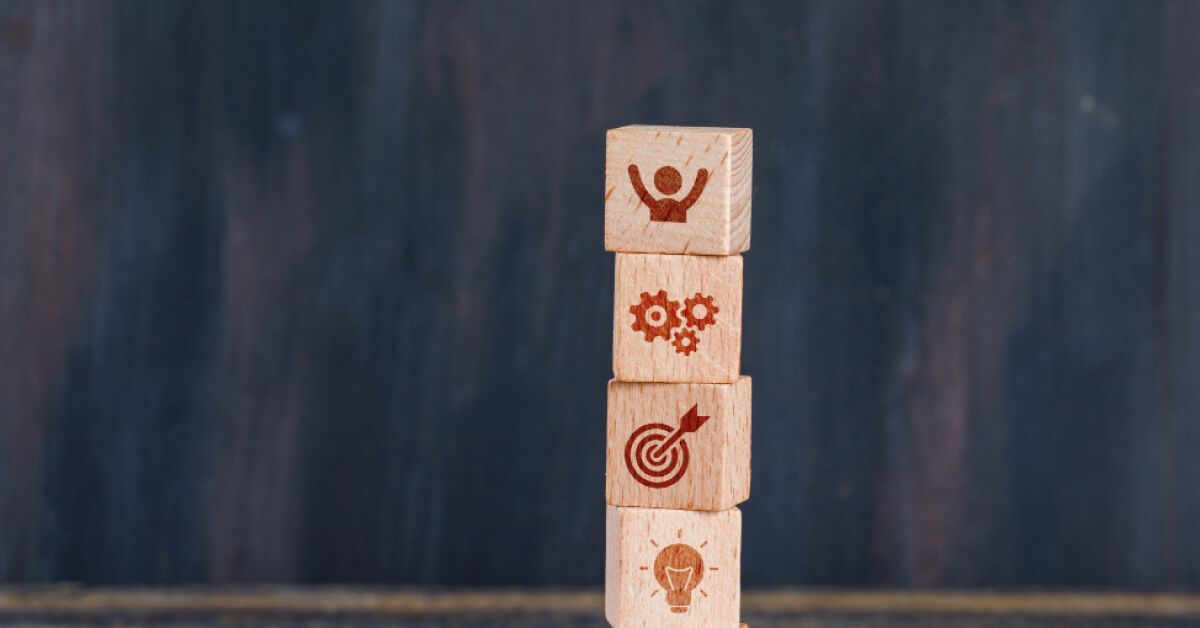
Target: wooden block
672, 568
678, 190
705, 429
677, 318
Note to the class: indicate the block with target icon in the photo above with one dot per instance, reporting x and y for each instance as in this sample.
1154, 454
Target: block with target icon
666, 568
680, 190
677, 318
681, 446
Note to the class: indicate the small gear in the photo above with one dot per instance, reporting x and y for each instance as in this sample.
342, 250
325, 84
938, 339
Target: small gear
685, 342
710, 311
655, 316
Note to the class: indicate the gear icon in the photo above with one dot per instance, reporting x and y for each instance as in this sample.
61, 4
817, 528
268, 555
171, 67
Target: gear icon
655, 316
685, 342
709, 311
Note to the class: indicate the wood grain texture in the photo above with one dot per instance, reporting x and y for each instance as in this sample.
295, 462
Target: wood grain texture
655, 339
712, 171
669, 568
312, 291
716, 474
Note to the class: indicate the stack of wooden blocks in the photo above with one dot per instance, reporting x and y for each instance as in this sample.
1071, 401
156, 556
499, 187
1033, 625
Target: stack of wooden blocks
677, 214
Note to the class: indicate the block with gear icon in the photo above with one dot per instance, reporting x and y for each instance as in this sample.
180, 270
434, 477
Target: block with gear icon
680, 446
667, 568
677, 318
678, 190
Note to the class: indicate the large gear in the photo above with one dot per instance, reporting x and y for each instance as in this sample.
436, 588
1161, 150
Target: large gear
685, 342
655, 316
710, 311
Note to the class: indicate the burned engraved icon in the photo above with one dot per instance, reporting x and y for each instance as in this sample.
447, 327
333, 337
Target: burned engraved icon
658, 316
657, 455
668, 181
679, 569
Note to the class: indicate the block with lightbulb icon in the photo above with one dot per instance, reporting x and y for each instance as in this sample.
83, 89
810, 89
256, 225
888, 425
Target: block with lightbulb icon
677, 318
682, 446
666, 568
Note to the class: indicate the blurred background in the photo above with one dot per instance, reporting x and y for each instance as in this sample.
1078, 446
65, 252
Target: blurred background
312, 292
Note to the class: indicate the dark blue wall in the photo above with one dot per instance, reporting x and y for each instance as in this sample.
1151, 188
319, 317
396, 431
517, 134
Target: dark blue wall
316, 291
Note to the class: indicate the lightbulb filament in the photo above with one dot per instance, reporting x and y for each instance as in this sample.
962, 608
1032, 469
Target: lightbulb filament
674, 574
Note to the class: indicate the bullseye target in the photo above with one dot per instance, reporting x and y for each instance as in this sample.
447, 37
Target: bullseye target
648, 463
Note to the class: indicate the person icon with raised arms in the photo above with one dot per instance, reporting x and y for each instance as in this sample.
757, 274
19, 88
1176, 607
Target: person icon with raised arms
668, 181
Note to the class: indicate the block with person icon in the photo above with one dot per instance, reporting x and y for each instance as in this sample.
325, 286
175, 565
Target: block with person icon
678, 190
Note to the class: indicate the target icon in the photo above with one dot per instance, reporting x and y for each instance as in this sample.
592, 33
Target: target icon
656, 454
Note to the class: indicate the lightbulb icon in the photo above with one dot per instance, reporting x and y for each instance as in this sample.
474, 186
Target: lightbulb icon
679, 569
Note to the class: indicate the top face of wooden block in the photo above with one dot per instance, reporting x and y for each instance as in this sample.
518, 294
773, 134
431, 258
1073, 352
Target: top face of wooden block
680, 190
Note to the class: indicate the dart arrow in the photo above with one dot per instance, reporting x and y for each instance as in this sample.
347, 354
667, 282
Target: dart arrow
688, 423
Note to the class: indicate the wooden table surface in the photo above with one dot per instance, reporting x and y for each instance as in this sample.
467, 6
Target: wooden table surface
274, 607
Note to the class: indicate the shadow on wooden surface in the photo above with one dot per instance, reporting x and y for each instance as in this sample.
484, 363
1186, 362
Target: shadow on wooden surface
65, 606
